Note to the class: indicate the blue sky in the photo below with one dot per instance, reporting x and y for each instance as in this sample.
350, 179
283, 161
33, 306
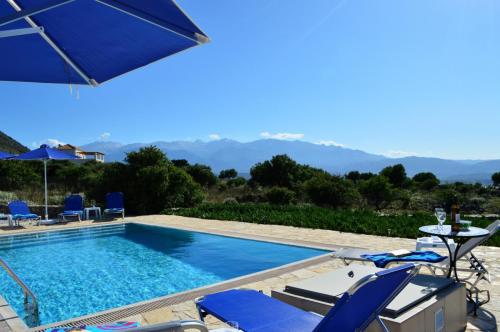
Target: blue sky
395, 77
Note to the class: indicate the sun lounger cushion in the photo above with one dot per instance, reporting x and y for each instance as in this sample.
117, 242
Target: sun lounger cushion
71, 213
381, 260
116, 210
25, 216
244, 306
120, 326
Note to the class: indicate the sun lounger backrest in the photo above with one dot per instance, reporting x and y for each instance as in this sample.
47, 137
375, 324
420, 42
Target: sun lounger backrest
366, 299
19, 207
473, 243
114, 200
73, 203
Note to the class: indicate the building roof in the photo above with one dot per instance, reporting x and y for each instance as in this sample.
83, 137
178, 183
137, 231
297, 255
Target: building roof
76, 148
86, 152
67, 147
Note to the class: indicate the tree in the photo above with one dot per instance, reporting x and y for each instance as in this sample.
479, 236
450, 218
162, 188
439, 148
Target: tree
395, 174
354, 176
377, 191
280, 171
366, 176
150, 182
426, 180
331, 191
183, 191
496, 179
148, 156
202, 174
228, 174
181, 163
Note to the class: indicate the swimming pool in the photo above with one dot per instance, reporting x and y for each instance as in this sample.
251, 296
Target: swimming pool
81, 271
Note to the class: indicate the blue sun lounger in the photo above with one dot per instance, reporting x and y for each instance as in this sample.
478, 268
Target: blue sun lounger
114, 204
73, 207
354, 311
20, 211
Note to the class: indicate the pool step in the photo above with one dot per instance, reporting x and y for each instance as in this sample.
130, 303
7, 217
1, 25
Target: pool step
50, 237
12, 242
64, 231
55, 234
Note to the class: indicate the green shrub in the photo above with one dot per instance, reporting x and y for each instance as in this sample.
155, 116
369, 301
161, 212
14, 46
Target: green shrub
202, 174
495, 178
377, 191
330, 191
280, 196
395, 174
237, 182
426, 181
228, 174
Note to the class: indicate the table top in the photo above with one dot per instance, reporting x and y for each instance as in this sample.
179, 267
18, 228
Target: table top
92, 208
446, 231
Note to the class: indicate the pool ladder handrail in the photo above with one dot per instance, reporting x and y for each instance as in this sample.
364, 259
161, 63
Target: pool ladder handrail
27, 292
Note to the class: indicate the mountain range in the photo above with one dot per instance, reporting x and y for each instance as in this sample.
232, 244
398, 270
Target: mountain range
226, 153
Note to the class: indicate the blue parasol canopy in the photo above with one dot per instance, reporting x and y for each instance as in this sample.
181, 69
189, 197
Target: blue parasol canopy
5, 155
89, 41
45, 153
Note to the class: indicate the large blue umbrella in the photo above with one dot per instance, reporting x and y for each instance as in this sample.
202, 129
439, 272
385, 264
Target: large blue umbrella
45, 153
89, 41
5, 155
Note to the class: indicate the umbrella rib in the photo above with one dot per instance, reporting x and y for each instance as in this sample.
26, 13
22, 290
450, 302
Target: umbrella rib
19, 15
52, 44
193, 36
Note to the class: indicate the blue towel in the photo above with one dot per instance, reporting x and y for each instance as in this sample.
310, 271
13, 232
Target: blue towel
381, 260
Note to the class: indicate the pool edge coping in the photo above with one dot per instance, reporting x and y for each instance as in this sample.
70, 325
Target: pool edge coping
136, 308
13, 322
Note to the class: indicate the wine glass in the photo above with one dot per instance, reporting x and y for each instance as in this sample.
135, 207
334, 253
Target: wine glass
441, 217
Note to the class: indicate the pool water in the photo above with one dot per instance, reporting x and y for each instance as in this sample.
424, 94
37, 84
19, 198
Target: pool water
83, 271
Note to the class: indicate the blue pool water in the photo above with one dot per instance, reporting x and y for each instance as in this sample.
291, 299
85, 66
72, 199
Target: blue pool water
79, 272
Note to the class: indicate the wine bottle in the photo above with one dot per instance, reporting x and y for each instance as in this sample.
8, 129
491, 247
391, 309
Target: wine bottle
454, 225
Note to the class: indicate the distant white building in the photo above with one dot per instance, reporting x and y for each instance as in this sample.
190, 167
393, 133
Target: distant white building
84, 155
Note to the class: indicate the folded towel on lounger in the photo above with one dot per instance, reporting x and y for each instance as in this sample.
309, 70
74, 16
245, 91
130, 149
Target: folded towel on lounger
381, 260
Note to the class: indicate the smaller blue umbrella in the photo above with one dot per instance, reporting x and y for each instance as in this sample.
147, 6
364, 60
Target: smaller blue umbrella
45, 153
5, 155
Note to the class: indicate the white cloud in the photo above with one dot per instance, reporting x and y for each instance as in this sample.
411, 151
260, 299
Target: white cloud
214, 137
398, 154
330, 143
104, 136
49, 141
282, 136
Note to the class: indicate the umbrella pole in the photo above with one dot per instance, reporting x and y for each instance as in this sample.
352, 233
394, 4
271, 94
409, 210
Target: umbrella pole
46, 200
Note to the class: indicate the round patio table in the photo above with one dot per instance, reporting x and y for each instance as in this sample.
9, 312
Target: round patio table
461, 237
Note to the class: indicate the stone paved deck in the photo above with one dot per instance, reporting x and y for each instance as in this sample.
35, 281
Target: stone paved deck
486, 320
